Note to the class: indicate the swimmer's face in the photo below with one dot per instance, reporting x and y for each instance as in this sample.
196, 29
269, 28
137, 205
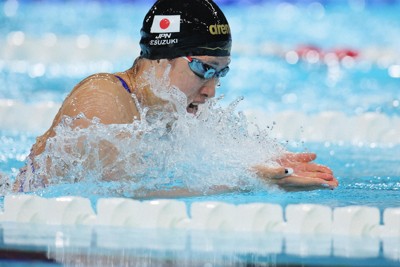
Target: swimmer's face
196, 89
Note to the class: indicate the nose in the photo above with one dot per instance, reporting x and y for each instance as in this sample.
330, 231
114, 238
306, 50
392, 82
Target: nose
208, 88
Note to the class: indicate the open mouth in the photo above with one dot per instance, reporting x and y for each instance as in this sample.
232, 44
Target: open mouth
192, 108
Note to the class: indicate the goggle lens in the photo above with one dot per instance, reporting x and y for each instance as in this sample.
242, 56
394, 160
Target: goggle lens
204, 70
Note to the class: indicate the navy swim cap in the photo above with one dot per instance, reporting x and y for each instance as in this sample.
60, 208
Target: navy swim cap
175, 28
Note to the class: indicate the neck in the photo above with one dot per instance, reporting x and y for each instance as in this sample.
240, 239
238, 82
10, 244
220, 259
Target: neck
140, 85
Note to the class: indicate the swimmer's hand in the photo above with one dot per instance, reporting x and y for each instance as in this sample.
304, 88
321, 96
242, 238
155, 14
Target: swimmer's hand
298, 173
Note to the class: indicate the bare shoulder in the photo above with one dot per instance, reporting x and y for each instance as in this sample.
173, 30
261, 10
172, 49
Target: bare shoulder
99, 96
98, 81
102, 96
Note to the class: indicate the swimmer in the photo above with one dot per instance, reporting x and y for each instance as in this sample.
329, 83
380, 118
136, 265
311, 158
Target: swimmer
192, 39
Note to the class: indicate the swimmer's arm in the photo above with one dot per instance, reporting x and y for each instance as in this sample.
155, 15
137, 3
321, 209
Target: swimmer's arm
304, 175
296, 173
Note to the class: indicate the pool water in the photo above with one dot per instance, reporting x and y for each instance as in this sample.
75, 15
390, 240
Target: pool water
113, 246
320, 76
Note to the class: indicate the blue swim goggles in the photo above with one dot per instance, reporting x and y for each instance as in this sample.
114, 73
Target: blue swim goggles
204, 70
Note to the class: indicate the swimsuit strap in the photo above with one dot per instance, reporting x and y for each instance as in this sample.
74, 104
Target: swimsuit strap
124, 84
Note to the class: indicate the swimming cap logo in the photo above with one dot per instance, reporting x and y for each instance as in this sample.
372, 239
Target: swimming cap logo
166, 23
216, 29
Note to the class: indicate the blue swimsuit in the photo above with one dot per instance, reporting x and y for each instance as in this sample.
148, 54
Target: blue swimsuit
124, 84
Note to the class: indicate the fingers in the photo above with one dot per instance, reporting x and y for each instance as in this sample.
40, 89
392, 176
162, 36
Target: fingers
309, 167
299, 175
318, 175
296, 182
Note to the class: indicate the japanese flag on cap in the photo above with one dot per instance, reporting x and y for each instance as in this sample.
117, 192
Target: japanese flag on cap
166, 23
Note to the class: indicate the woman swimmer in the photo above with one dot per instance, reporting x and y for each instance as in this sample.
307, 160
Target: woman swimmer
192, 39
